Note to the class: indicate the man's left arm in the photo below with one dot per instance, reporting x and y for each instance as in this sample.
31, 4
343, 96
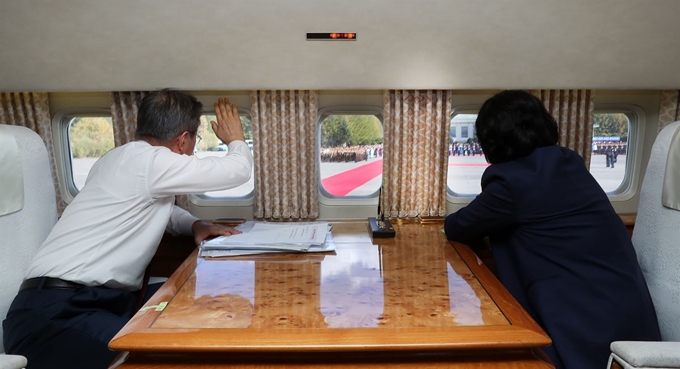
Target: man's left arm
183, 222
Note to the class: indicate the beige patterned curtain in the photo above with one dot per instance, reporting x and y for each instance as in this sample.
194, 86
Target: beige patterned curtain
670, 108
574, 112
286, 175
415, 161
32, 110
124, 107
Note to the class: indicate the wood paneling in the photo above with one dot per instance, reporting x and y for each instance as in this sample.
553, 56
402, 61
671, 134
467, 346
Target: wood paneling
629, 221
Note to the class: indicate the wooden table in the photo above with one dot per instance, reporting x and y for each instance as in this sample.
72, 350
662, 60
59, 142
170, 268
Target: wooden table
414, 301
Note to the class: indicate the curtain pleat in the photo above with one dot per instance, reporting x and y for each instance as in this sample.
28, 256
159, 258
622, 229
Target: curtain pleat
124, 107
32, 110
416, 140
286, 175
670, 108
574, 111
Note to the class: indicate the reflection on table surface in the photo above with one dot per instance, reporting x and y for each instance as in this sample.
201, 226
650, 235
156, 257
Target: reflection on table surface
416, 299
413, 281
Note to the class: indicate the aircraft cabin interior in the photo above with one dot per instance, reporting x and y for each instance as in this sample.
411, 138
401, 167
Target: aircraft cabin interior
353, 112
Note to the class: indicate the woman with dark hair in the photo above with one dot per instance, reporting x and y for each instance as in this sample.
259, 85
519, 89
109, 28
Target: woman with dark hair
558, 245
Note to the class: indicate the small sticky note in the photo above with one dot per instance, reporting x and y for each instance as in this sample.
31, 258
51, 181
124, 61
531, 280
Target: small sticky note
159, 307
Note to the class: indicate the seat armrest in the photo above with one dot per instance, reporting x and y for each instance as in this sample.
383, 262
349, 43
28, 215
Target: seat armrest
640, 354
12, 361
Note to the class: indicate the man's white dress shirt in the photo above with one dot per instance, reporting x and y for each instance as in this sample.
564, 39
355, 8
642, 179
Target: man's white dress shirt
109, 233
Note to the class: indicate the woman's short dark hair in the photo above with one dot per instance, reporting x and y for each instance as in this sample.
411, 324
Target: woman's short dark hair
165, 114
511, 124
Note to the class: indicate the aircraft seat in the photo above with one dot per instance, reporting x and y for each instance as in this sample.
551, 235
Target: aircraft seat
28, 211
656, 238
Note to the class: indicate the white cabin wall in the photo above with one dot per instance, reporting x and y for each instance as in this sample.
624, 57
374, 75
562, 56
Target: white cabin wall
67, 101
104, 45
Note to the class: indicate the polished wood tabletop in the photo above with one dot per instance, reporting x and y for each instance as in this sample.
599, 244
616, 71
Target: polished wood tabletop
417, 297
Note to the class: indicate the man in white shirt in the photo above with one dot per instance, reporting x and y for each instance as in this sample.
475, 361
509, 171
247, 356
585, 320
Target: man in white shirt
82, 286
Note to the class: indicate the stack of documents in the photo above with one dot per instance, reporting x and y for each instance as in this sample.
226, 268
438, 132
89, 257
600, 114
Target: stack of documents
263, 237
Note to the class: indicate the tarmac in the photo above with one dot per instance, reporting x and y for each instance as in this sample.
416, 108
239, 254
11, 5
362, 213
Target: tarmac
464, 174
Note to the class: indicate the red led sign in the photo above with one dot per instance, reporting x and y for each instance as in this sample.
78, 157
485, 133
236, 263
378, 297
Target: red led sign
334, 36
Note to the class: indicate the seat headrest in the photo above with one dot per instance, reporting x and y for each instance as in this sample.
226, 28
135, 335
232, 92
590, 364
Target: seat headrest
670, 196
12, 178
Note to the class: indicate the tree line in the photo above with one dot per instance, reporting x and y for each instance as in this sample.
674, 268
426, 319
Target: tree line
209, 141
610, 125
351, 130
92, 137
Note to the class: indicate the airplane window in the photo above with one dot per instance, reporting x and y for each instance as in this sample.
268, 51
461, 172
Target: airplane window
210, 145
608, 160
89, 137
351, 152
466, 159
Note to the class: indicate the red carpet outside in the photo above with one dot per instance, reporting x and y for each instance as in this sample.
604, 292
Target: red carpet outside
345, 182
469, 165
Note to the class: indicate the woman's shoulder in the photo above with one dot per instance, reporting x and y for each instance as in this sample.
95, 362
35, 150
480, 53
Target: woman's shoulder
555, 150
542, 162
547, 154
